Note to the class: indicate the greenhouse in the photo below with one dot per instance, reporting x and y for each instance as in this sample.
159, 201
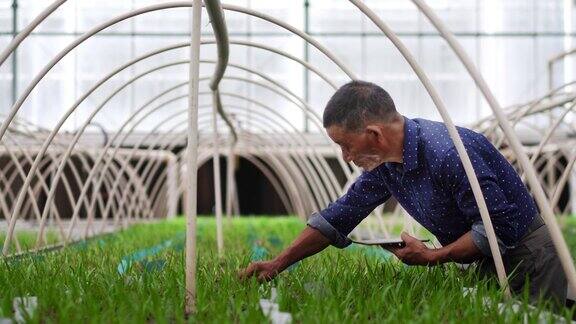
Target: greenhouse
315, 161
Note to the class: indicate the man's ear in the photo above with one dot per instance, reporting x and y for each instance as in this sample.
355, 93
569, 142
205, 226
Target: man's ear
374, 133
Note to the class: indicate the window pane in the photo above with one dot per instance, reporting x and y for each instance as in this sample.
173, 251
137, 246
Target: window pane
549, 16
5, 79
61, 20
507, 16
334, 16
56, 92
508, 66
290, 12
458, 16
400, 15
92, 13
5, 16
388, 69
288, 73
450, 78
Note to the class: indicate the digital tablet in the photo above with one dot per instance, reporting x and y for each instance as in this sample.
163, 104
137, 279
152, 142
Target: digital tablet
388, 242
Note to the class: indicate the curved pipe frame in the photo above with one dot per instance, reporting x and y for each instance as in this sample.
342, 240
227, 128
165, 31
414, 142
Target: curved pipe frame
137, 179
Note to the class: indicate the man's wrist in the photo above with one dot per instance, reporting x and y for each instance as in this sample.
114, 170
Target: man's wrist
436, 256
281, 262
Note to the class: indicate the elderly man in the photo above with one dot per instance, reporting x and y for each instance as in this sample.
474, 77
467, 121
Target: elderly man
415, 161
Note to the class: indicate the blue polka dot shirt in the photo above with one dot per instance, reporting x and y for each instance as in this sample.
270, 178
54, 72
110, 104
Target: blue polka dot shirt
432, 187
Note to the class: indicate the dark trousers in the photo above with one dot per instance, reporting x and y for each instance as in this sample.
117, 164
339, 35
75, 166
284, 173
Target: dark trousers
533, 261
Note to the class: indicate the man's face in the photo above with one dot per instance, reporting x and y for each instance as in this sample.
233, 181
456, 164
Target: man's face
359, 147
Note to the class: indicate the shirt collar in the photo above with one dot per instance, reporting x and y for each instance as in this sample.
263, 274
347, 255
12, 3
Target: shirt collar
410, 150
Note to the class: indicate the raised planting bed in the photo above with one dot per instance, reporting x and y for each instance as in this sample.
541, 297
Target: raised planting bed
27, 239
138, 276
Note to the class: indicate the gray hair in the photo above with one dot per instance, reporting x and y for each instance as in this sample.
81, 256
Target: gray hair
356, 103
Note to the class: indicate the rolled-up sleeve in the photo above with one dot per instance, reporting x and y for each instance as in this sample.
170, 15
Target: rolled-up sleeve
503, 213
480, 240
336, 238
340, 217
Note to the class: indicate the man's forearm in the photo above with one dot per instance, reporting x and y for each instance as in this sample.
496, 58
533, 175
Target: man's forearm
463, 250
308, 243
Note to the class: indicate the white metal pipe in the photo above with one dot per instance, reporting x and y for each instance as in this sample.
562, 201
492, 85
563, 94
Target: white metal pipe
191, 156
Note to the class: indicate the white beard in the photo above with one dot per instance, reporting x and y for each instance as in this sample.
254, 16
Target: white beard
368, 162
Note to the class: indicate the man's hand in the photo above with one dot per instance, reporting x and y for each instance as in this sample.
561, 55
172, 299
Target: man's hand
262, 270
308, 243
414, 253
463, 250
